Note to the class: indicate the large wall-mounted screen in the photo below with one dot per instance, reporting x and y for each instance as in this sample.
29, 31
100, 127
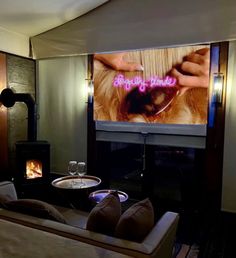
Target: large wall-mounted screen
153, 90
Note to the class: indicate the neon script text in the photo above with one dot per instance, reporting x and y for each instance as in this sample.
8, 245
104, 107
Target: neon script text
142, 84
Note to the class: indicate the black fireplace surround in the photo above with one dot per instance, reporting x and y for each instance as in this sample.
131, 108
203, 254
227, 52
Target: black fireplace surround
30, 152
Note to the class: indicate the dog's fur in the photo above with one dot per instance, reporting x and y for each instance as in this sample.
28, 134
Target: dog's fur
189, 108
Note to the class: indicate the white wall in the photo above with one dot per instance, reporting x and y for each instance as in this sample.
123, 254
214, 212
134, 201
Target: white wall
62, 103
14, 43
229, 168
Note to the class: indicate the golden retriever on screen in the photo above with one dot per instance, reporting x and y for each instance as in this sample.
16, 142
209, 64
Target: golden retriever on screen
166, 105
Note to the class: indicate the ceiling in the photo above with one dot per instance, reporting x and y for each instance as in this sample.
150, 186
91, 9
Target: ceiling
31, 17
122, 25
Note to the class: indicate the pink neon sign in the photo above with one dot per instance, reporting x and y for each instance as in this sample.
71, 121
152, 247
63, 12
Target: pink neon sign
142, 84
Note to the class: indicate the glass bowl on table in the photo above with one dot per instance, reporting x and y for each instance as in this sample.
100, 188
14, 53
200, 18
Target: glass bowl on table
99, 195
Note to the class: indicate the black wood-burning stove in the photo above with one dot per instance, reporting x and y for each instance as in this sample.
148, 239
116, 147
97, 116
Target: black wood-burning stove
32, 156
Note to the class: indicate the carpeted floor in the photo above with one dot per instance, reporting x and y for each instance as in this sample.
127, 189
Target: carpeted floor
185, 251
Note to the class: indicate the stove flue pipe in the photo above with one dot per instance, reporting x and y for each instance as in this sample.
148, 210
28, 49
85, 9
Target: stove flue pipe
8, 99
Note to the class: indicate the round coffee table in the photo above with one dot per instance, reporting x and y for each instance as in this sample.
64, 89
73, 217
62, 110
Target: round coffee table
75, 194
74, 182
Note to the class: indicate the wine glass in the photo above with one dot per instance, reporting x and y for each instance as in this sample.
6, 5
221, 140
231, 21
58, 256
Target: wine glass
72, 169
81, 172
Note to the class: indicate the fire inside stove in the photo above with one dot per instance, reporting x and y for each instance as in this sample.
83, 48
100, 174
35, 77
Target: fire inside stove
33, 169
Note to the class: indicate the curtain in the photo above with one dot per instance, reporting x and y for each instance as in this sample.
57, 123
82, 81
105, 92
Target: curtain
62, 102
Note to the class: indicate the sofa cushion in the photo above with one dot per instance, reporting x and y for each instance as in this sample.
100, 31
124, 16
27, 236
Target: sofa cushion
105, 215
35, 208
8, 188
4, 198
136, 222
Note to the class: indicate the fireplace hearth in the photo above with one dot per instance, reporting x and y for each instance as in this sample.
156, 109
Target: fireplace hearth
32, 162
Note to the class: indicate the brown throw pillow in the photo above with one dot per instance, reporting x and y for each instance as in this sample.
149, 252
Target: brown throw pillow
105, 215
36, 208
136, 222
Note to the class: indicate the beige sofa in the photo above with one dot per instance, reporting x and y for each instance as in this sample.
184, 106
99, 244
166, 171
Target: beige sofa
158, 243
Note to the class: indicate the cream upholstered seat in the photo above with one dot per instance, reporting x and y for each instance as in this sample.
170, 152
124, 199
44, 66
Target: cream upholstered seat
158, 243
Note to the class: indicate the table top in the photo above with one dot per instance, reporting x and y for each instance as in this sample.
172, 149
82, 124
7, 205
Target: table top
74, 182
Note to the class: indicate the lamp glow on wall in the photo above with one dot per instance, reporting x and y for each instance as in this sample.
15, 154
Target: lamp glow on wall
218, 83
90, 90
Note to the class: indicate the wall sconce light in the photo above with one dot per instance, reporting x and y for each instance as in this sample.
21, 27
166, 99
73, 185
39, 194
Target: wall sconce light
218, 83
90, 90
